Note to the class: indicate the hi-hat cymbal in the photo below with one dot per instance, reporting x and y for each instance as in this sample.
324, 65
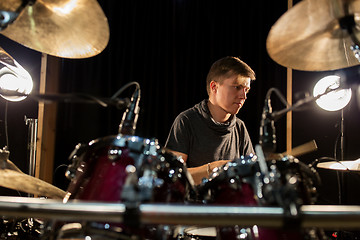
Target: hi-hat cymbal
341, 165
26, 183
309, 37
12, 177
63, 28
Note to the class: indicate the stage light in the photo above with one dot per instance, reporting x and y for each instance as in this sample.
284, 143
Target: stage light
334, 100
13, 77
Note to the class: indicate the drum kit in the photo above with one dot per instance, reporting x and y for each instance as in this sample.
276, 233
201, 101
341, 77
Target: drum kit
128, 187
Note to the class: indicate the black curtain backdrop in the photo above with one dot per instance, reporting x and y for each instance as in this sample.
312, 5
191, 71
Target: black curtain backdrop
168, 47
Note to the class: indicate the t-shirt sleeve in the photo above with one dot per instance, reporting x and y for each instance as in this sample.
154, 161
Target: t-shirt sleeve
179, 135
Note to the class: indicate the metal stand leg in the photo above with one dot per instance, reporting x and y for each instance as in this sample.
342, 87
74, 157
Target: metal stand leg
32, 137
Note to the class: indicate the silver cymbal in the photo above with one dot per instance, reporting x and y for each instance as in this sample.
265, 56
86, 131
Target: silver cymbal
12, 177
309, 37
341, 165
26, 183
63, 28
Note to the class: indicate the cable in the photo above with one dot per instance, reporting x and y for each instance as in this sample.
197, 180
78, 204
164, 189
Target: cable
278, 93
6, 126
97, 100
124, 87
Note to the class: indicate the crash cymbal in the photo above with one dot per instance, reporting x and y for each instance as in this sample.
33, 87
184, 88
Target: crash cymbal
26, 183
341, 165
63, 28
309, 37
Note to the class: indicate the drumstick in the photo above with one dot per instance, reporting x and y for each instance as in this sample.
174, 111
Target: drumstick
297, 151
302, 149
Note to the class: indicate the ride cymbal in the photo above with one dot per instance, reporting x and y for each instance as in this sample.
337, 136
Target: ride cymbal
63, 28
309, 36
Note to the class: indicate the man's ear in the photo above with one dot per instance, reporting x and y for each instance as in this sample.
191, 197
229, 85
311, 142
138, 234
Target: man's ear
213, 86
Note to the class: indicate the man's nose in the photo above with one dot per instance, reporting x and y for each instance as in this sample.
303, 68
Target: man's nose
242, 93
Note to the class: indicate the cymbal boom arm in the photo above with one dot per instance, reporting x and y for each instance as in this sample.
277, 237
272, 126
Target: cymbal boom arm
8, 17
348, 23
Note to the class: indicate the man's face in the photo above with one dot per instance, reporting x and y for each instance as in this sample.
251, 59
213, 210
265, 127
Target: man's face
230, 95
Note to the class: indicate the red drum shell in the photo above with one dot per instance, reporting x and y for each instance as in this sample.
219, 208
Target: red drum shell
102, 174
235, 184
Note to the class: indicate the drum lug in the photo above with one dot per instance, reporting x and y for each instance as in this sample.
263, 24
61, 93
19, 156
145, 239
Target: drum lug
148, 182
76, 159
114, 153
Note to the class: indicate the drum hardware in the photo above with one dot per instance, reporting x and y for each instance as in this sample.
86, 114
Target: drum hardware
20, 229
324, 216
9, 16
267, 133
31, 145
77, 153
32, 136
128, 123
60, 29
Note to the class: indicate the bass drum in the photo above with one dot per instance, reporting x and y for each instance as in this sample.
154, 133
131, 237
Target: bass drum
125, 169
290, 184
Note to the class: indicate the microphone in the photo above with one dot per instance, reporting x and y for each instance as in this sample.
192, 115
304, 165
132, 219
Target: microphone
267, 138
131, 115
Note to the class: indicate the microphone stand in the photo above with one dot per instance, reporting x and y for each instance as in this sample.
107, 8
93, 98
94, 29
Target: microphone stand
267, 144
70, 98
129, 120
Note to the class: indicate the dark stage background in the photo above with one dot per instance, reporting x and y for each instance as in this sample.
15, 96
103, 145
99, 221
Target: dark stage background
168, 47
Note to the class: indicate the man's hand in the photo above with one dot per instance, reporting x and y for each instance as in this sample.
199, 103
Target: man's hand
198, 173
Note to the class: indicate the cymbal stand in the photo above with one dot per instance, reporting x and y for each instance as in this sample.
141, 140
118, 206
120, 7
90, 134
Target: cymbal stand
340, 176
32, 136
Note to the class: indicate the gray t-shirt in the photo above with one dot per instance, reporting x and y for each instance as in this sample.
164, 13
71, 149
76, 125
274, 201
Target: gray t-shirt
196, 134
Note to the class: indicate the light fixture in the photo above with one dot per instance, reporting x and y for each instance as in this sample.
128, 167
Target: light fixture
334, 100
13, 78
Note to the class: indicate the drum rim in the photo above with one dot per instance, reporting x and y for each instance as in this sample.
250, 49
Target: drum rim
192, 228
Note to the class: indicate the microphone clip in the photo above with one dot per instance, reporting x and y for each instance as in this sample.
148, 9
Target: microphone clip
267, 136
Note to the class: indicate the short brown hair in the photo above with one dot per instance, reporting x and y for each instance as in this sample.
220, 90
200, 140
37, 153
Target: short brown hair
227, 67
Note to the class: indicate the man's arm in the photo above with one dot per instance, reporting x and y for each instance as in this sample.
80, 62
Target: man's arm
203, 171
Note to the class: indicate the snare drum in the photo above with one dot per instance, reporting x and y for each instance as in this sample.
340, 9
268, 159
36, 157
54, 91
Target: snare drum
124, 169
212, 233
231, 184
200, 233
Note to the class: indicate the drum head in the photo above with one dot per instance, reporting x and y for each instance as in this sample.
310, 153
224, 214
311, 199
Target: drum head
202, 233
